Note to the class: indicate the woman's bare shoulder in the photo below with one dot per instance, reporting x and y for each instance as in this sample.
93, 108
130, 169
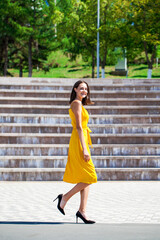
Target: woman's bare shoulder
76, 104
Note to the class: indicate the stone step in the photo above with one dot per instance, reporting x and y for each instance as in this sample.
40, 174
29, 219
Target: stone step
60, 161
126, 174
67, 128
63, 138
65, 119
65, 101
45, 109
71, 81
125, 125
51, 174
62, 149
66, 94
97, 87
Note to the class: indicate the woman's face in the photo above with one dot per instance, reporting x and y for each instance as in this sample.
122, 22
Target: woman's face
81, 91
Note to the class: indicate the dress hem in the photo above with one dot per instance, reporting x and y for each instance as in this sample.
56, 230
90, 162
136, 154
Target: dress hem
79, 182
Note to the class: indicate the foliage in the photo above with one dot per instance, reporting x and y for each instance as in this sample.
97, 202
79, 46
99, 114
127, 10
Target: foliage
141, 26
31, 29
30, 32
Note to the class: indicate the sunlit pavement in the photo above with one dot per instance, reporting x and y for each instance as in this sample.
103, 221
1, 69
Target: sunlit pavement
117, 207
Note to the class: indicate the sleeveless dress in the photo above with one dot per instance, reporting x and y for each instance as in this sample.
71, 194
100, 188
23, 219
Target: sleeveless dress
77, 170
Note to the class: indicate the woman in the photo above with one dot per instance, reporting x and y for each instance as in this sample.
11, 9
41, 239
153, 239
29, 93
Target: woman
79, 169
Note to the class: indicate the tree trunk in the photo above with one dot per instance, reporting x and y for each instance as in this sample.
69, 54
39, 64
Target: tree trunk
30, 57
93, 63
21, 68
150, 61
1, 59
5, 56
103, 63
21, 71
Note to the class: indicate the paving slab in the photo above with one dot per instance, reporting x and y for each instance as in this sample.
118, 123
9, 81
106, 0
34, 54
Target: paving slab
110, 202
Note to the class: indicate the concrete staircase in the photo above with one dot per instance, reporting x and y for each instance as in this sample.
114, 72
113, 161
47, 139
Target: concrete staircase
35, 128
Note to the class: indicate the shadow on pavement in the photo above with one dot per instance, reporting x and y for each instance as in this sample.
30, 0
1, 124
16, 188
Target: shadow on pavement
34, 223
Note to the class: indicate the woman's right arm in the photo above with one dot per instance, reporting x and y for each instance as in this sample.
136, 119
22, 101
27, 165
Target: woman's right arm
77, 110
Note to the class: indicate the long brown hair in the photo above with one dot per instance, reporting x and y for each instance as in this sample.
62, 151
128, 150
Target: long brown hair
86, 100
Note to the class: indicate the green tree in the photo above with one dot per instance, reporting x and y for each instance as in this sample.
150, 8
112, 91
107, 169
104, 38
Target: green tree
40, 33
27, 31
108, 33
78, 32
9, 28
140, 23
80, 28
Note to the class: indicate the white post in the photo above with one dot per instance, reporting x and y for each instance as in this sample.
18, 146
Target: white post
103, 73
157, 62
149, 75
98, 21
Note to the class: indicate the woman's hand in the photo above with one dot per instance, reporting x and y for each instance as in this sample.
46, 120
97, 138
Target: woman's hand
86, 155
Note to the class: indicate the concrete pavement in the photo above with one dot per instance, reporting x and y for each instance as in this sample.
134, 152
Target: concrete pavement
109, 202
122, 210
80, 231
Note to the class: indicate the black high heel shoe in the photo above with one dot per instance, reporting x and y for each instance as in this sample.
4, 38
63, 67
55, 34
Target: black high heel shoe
59, 202
79, 215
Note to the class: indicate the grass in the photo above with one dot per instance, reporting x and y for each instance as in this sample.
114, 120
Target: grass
80, 69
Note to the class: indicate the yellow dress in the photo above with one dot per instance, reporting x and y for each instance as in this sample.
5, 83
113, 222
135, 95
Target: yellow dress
77, 170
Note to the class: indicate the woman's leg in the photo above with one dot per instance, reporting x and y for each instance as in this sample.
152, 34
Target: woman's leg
79, 187
83, 203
